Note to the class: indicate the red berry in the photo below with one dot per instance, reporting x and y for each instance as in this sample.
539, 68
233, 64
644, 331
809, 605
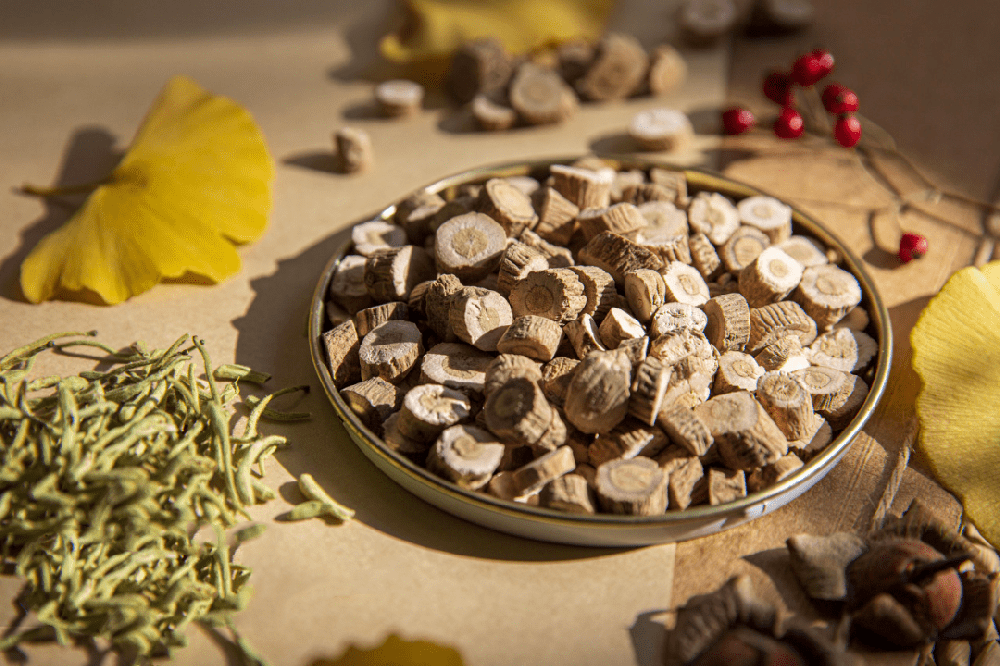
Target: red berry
812, 67
839, 99
912, 246
778, 88
737, 120
788, 124
847, 131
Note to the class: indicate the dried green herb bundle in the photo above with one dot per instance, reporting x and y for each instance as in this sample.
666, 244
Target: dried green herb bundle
106, 476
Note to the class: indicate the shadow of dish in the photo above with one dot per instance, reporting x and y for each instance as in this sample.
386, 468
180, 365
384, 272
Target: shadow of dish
272, 336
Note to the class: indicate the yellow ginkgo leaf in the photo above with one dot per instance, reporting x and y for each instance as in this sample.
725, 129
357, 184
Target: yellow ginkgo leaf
956, 352
397, 652
195, 181
434, 28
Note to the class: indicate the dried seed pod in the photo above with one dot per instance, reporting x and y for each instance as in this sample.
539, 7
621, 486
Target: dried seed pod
390, 274
373, 400
598, 396
539, 95
478, 67
687, 429
675, 345
660, 129
787, 402
399, 98
455, 365
555, 294
353, 148
667, 70
745, 436
633, 486
856, 391
390, 351
430, 408
768, 215
556, 216
704, 257
584, 336
617, 70
583, 187
508, 205
341, 344
618, 255
684, 284
619, 326
347, 288
728, 327
376, 235
714, 215
673, 316
532, 477
518, 260
737, 372
675, 181
645, 292
705, 22
621, 218
367, 319
465, 455
777, 320
827, 293
480, 317
531, 336
437, 305
469, 246
557, 375
836, 349
781, 354
770, 277
559, 257
569, 493
726, 485
743, 247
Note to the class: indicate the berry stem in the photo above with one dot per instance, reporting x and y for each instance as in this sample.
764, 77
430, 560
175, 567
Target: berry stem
817, 121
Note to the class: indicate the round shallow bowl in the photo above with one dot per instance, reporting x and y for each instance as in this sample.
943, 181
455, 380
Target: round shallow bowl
605, 529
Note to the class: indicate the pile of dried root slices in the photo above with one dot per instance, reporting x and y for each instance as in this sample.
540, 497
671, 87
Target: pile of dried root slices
598, 340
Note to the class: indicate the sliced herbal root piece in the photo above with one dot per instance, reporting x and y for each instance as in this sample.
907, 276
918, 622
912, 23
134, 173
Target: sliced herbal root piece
618, 256
437, 305
491, 115
584, 335
469, 246
518, 412
660, 129
456, 365
675, 181
530, 478
725, 485
505, 367
704, 257
617, 70
539, 95
399, 97
480, 317
728, 327
557, 375
599, 288
779, 470
685, 473
673, 316
827, 293
466, 455
667, 70
856, 319
645, 292
559, 257
685, 428
569, 493
341, 344
635, 349
628, 440
621, 218
673, 346
430, 408
369, 318
583, 187
598, 396
390, 351
667, 248
769, 215
867, 350
816, 441
375, 235
684, 284
634, 486
479, 66
782, 354
507, 205
773, 322
373, 400
531, 336
770, 277
652, 377
663, 218
745, 436
805, 250
737, 372
414, 214
555, 294
354, 149
347, 287
837, 349
824, 385
403, 445
743, 247
787, 402
556, 216
619, 326
518, 260
714, 215
840, 416
391, 274
625, 180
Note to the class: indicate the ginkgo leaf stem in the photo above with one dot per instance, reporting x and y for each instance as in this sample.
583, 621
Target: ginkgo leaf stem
85, 188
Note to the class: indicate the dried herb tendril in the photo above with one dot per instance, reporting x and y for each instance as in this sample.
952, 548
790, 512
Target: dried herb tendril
105, 479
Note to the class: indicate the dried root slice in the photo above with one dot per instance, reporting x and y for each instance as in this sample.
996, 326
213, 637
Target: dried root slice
663, 218
820, 437
667, 248
465, 455
714, 215
478, 67
599, 288
526, 184
480, 317
784, 16
770, 277
377, 235
773, 322
660, 129
769, 215
518, 413
621, 218
628, 440
598, 396
399, 98
856, 390
690, 383
673, 316
856, 319
743, 247
626, 180
667, 70
390, 351
825, 385
678, 344
369, 318
508, 205
556, 216
415, 214
737, 372
491, 115
785, 354
539, 95
341, 343
652, 377
684, 284
645, 292
618, 255
531, 336
373, 400
575, 56
837, 349
559, 257
403, 445
787, 403
430, 408
804, 250
632, 487
779, 470
705, 22
583, 187
745, 436
437, 305
354, 149
391, 274
728, 327
584, 335
557, 375
569, 493
455, 365
518, 260
827, 293
531, 478
675, 181
704, 257
726, 485
619, 326
506, 367
347, 288
867, 350
687, 429
635, 349
617, 71
555, 294
469, 246
685, 473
